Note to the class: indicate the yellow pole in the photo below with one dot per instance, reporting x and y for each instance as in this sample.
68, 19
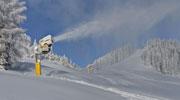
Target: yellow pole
38, 67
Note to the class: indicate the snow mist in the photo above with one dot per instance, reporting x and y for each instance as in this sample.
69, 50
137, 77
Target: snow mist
127, 21
79, 32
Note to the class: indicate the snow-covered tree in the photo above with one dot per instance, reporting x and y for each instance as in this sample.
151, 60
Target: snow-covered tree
113, 57
65, 61
12, 36
163, 55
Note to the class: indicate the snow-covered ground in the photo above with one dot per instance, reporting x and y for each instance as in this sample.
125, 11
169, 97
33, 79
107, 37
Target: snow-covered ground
129, 80
132, 76
18, 87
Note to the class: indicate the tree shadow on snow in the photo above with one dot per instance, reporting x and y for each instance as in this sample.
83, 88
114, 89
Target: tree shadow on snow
24, 67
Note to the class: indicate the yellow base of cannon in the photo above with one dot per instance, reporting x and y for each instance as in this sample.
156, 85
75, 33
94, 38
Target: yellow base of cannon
38, 68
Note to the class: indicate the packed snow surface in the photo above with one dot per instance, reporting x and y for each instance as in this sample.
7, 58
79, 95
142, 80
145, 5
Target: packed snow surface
14, 87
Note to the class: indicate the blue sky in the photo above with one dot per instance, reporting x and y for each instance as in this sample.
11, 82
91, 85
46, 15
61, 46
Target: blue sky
116, 22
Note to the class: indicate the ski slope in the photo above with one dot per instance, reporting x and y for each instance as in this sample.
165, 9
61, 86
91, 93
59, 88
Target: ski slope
132, 76
23, 85
127, 80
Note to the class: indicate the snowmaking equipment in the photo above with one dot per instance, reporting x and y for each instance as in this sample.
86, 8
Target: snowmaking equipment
44, 46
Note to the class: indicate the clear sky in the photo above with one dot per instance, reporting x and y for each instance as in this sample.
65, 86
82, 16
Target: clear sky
116, 22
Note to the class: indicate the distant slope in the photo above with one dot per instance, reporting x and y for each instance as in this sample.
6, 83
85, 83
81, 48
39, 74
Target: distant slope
113, 57
133, 76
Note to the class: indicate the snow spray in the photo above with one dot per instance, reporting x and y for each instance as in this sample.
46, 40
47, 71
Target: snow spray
79, 32
124, 22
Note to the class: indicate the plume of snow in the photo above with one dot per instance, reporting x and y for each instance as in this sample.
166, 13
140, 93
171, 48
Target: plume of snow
129, 20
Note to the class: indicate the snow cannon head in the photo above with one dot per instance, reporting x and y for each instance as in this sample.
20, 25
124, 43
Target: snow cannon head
46, 44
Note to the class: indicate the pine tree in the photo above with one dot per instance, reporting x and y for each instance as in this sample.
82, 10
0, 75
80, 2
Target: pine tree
163, 55
11, 34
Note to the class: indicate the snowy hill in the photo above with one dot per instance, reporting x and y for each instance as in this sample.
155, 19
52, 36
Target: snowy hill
133, 76
128, 79
57, 82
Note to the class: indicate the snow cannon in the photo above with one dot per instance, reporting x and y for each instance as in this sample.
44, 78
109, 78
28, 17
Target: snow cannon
44, 47
45, 44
